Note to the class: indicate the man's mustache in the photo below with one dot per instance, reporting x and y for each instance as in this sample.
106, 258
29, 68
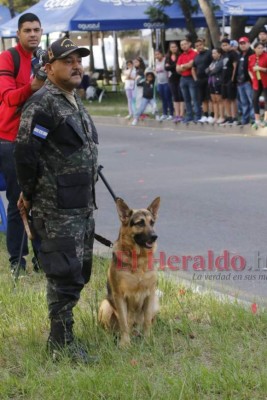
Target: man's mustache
76, 73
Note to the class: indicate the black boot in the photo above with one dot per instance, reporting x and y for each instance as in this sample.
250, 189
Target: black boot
61, 342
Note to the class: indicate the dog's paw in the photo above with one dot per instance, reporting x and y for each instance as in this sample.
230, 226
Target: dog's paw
125, 341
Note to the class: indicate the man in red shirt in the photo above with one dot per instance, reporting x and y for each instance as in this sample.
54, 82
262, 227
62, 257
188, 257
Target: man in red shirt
188, 83
14, 91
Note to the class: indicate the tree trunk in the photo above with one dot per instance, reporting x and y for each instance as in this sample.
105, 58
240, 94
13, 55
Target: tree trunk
116, 55
185, 6
11, 8
211, 21
208, 41
255, 30
106, 77
91, 59
238, 25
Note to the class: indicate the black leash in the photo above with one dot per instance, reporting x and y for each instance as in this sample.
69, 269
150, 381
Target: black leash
103, 240
99, 169
99, 238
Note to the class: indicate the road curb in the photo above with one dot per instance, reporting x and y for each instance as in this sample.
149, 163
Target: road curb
192, 127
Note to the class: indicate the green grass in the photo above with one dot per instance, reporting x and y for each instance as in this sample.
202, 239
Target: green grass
201, 348
113, 104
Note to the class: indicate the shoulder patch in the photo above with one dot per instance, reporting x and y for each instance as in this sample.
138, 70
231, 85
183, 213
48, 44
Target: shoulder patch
40, 131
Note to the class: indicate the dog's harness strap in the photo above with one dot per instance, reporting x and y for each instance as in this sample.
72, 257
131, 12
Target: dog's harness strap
103, 240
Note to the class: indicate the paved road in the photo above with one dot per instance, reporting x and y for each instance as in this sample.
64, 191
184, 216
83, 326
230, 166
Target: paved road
213, 189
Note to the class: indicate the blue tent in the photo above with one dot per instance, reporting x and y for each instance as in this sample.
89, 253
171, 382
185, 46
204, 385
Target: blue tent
100, 15
4, 14
244, 7
127, 15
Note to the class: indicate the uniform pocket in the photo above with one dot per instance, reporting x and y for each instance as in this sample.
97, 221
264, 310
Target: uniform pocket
58, 259
68, 137
73, 190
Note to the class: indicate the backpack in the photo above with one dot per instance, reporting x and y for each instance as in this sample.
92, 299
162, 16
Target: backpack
16, 60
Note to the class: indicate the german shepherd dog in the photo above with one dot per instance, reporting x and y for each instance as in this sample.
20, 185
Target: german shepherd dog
132, 299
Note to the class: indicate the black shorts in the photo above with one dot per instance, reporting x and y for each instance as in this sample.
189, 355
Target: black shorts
215, 88
203, 91
176, 92
229, 91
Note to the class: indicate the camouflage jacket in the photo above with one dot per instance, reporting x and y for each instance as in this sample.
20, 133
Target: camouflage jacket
56, 154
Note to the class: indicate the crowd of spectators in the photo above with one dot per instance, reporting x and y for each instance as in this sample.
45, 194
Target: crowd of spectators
225, 85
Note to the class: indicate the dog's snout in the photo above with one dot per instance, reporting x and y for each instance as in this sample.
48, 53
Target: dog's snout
154, 237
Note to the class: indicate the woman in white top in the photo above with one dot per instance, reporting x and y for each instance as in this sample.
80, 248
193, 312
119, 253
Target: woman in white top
130, 75
163, 86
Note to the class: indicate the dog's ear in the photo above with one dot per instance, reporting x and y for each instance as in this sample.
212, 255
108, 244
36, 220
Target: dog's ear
154, 207
123, 210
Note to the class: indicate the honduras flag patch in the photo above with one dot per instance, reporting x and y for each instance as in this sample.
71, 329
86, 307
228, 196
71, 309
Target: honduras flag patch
40, 131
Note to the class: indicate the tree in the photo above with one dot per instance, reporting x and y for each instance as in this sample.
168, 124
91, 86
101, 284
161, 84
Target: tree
188, 7
208, 11
18, 5
106, 77
256, 28
11, 8
116, 58
238, 25
91, 58
156, 13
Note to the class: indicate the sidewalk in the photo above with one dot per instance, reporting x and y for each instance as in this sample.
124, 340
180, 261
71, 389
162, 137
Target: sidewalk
192, 127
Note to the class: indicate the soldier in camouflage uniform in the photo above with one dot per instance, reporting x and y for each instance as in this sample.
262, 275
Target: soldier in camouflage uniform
56, 161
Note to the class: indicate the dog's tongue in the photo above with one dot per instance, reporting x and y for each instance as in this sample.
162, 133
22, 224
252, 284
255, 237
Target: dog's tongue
148, 244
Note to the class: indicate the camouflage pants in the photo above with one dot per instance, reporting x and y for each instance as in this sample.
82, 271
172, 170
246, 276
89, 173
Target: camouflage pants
66, 258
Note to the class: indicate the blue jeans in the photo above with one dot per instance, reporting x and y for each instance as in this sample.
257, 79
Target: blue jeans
130, 99
15, 227
166, 98
245, 97
189, 90
144, 104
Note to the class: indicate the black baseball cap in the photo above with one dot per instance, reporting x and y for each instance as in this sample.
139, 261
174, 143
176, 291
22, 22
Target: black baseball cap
263, 29
62, 47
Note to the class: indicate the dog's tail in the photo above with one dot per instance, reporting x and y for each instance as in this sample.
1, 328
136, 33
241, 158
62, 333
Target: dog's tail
107, 316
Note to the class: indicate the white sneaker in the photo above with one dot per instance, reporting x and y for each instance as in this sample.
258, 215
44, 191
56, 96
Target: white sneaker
128, 116
163, 117
135, 121
203, 119
220, 120
210, 120
158, 118
170, 118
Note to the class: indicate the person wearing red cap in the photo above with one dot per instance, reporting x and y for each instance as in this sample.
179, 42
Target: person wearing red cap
244, 86
257, 66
